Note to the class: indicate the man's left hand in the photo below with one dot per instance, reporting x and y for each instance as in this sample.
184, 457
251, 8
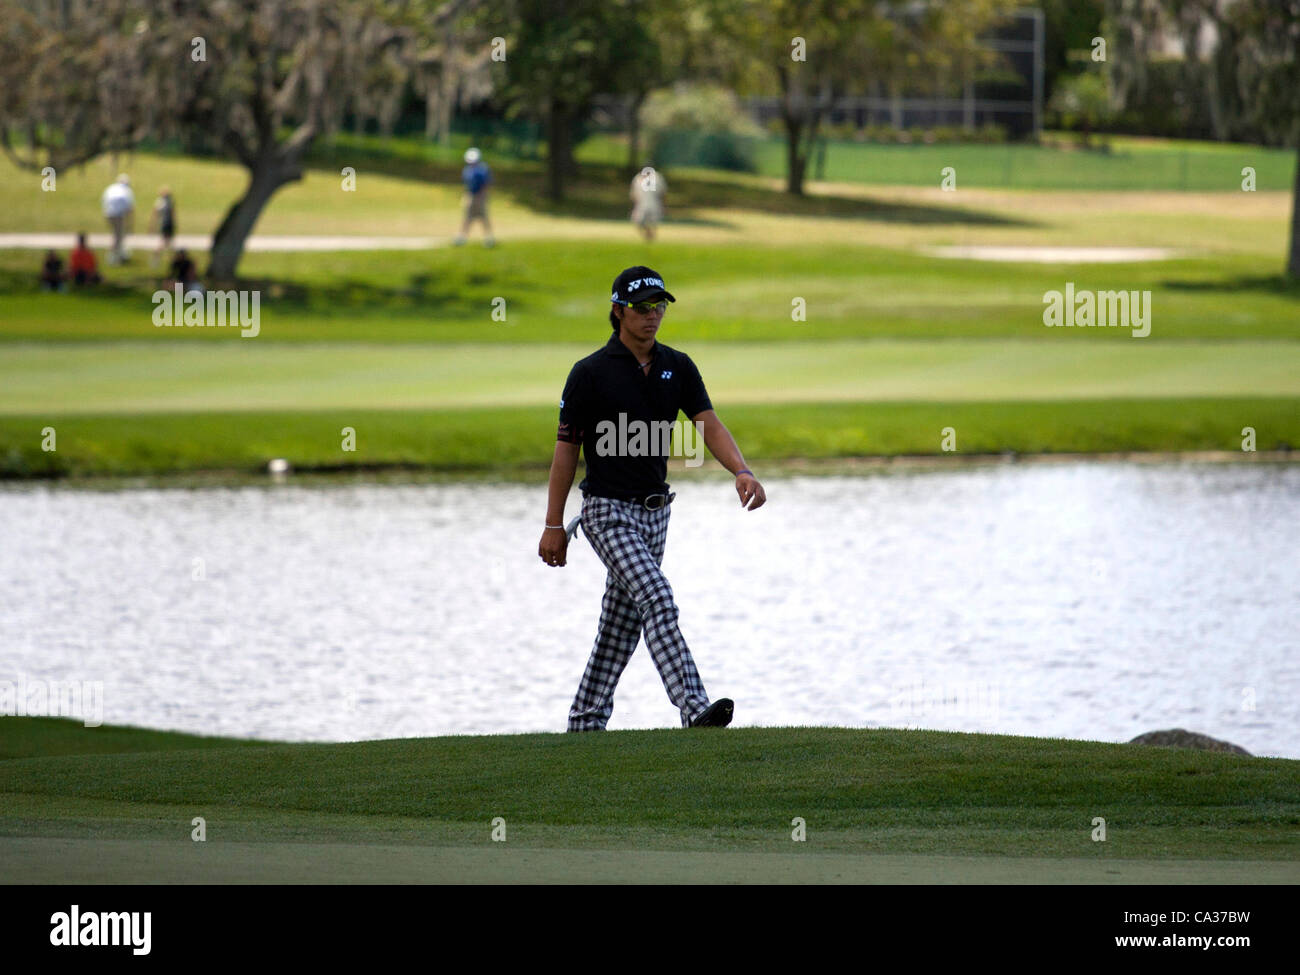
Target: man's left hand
751, 492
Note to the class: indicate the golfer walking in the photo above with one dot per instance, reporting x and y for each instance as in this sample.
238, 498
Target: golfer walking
634, 383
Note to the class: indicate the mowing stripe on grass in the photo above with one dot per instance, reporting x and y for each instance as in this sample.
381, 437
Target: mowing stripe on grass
30, 860
37, 380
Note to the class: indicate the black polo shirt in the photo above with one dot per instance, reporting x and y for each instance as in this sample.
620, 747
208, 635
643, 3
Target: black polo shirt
617, 413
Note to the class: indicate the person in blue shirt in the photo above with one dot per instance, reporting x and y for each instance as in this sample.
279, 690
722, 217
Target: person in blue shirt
477, 179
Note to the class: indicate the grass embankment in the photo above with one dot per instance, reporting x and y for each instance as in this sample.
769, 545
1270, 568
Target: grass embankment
861, 792
505, 440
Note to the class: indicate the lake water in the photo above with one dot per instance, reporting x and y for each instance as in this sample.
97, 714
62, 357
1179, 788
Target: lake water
1090, 600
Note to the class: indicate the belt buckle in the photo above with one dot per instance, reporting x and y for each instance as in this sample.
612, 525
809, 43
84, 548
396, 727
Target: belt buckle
663, 499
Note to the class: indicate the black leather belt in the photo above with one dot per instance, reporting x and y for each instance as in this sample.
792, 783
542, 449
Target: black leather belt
651, 502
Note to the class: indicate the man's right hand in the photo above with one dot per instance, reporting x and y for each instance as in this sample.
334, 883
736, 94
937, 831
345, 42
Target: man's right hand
553, 546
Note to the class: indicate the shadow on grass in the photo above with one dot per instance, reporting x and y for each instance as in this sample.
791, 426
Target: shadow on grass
456, 296
423, 293
1277, 284
600, 192
16, 280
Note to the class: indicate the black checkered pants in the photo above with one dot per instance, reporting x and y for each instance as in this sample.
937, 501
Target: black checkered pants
630, 541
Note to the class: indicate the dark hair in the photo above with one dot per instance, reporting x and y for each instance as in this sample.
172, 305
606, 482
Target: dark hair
613, 318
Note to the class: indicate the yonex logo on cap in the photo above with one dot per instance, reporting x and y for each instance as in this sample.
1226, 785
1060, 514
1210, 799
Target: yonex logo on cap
633, 282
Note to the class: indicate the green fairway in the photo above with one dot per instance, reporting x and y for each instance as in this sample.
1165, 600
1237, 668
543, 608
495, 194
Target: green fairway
41, 860
877, 805
1129, 164
1118, 162
40, 380
402, 183
556, 293
396, 196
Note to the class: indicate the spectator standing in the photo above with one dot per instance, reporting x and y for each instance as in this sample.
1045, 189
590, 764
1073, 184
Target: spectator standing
119, 207
647, 193
163, 220
477, 179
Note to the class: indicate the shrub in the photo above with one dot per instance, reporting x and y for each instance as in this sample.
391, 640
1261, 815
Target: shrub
1083, 103
699, 125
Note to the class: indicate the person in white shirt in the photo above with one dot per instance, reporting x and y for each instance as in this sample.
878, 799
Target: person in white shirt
119, 206
647, 193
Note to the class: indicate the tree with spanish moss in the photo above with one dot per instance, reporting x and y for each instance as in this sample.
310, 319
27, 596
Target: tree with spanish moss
256, 80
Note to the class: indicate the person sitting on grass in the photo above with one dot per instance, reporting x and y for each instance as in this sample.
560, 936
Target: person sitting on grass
52, 276
184, 272
82, 263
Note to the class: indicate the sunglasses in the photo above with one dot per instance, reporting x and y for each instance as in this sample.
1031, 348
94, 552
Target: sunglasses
646, 307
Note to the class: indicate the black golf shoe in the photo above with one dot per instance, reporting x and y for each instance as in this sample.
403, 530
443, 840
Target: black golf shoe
716, 715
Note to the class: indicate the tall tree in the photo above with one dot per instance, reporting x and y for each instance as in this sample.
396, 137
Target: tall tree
1131, 27
683, 42
1268, 81
453, 64
259, 79
560, 54
1254, 70
814, 51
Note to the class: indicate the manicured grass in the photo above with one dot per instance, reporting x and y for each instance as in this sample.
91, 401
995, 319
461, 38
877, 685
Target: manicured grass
1117, 162
1128, 165
880, 791
398, 195
74, 860
557, 293
503, 440
48, 737
40, 380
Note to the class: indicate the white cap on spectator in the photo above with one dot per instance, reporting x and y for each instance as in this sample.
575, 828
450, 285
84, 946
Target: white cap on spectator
472, 156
